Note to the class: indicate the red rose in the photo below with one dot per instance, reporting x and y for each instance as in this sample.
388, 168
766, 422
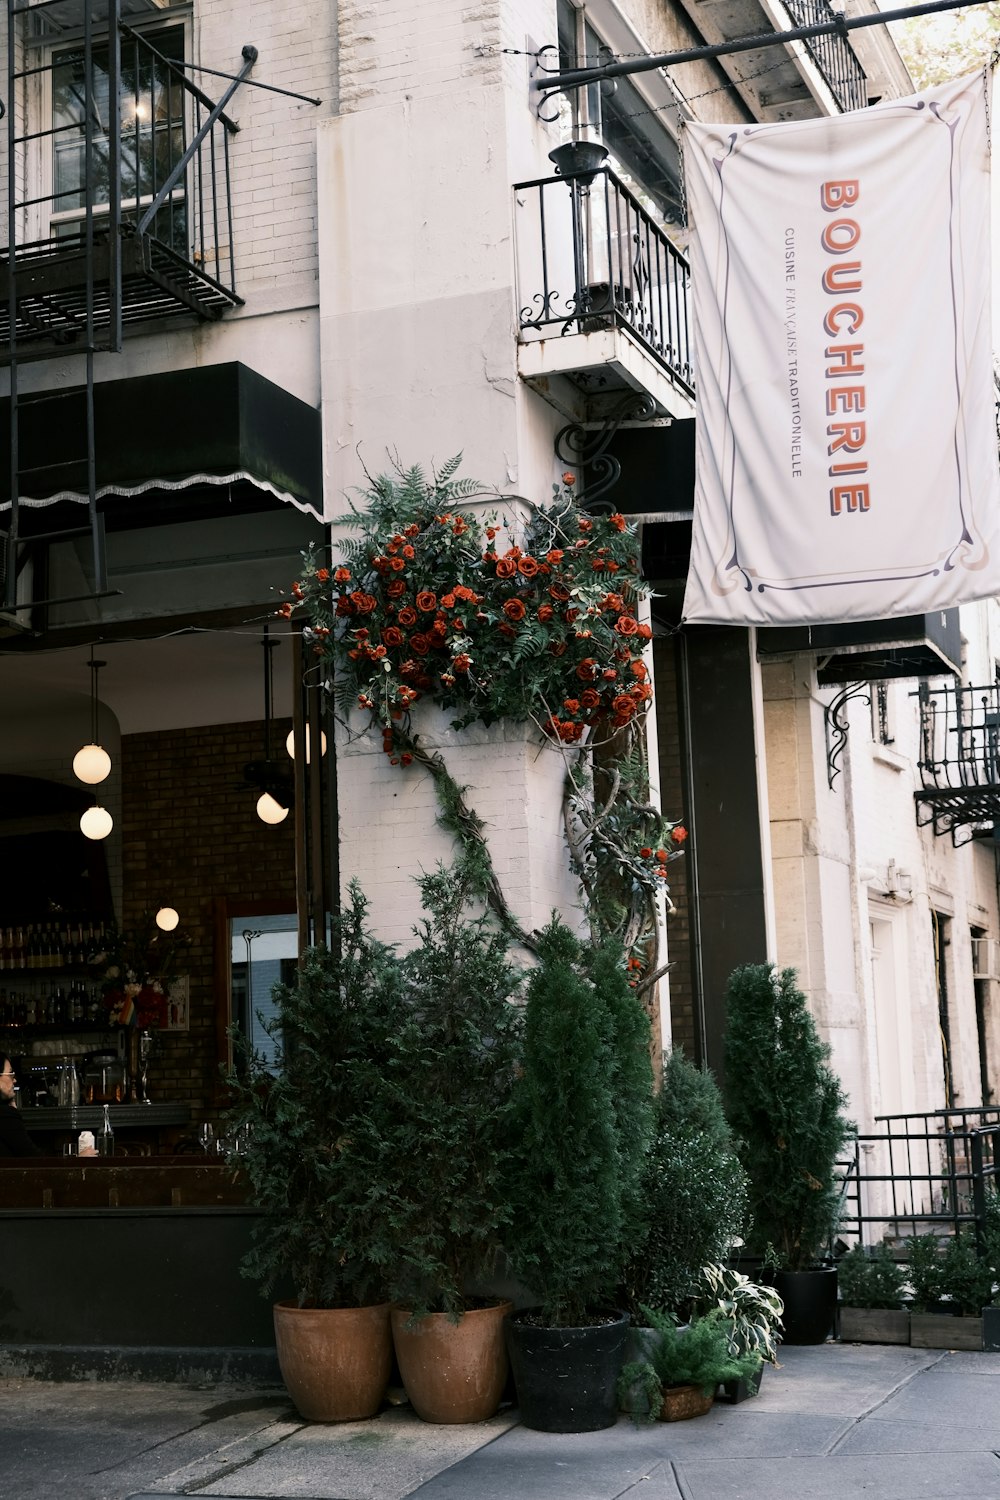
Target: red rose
558, 591
645, 632
590, 699
514, 609
622, 707
462, 663
554, 557
396, 589
527, 566
506, 567
427, 601
569, 480
420, 644
587, 670
618, 522
627, 625
342, 575
407, 616
393, 636
679, 834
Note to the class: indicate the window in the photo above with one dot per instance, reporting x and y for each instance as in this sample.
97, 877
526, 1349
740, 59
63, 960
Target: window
264, 952
881, 717
152, 133
644, 153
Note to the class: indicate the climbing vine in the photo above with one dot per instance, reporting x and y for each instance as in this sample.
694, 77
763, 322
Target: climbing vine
530, 615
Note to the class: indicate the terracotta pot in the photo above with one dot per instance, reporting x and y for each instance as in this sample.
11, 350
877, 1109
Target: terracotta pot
453, 1372
681, 1402
335, 1361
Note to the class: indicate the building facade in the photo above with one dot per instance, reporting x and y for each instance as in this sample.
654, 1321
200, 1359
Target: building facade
226, 306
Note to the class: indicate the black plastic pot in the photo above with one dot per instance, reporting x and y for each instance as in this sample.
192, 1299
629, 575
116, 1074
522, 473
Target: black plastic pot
566, 1377
810, 1299
735, 1391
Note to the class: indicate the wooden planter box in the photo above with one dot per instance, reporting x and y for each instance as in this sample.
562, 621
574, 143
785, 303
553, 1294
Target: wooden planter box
942, 1331
875, 1325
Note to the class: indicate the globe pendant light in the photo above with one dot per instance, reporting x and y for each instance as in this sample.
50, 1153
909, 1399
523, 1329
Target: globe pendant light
96, 823
166, 919
92, 763
271, 779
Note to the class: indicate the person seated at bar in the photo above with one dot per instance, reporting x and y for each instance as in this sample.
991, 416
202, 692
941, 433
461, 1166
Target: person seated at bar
14, 1139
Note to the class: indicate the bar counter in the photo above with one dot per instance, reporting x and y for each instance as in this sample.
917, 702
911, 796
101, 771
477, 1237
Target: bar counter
141, 1252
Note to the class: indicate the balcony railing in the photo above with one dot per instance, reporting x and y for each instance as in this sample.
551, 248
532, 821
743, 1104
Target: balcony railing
137, 221
832, 54
959, 760
590, 257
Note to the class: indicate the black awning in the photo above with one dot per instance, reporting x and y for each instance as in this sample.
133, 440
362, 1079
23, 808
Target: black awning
212, 425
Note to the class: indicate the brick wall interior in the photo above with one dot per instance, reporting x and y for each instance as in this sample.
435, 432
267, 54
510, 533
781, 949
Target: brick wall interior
682, 1013
190, 834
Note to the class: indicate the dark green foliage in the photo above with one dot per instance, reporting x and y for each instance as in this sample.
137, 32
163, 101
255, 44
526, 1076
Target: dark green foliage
870, 1278
317, 1159
448, 1075
696, 1355
630, 1078
786, 1107
566, 1237
957, 1273
694, 1188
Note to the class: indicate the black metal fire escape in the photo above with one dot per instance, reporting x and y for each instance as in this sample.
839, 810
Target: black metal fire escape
118, 212
960, 761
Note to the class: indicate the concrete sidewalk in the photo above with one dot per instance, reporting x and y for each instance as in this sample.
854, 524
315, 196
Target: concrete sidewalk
835, 1421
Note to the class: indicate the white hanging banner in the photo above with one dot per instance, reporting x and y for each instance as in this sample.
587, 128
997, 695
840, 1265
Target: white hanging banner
846, 443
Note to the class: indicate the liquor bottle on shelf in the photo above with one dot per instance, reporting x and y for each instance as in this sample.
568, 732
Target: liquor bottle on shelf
106, 1136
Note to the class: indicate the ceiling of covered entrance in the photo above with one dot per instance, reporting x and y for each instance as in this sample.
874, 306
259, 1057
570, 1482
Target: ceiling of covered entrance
177, 681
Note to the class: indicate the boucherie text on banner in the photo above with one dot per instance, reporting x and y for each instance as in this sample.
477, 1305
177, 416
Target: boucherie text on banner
846, 448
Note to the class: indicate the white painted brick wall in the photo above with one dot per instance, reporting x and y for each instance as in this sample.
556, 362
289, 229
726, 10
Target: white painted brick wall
388, 819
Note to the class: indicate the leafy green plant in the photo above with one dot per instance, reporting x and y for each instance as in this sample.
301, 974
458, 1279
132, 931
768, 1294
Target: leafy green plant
568, 1189
786, 1107
448, 1073
753, 1312
698, 1354
870, 1278
959, 1274
316, 1122
694, 1190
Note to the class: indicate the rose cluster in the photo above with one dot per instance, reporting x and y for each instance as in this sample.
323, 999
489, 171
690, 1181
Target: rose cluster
543, 627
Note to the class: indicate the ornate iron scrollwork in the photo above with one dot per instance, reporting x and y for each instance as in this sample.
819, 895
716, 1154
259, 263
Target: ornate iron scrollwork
585, 447
836, 724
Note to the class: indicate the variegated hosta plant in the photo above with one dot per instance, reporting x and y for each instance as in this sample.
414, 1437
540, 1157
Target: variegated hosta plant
752, 1311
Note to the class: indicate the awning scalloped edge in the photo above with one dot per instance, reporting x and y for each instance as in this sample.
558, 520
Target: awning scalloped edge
188, 482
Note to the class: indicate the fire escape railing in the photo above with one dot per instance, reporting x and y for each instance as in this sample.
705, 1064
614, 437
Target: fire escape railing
144, 228
833, 55
590, 257
959, 760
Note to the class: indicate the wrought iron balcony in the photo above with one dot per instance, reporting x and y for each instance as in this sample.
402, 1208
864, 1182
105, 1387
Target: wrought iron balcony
959, 760
137, 221
591, 258
832, 54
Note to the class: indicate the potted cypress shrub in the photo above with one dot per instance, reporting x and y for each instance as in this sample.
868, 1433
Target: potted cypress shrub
581, 1110
448, 1075
694, 1192
871, 1286
315, 1120
786, 1107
